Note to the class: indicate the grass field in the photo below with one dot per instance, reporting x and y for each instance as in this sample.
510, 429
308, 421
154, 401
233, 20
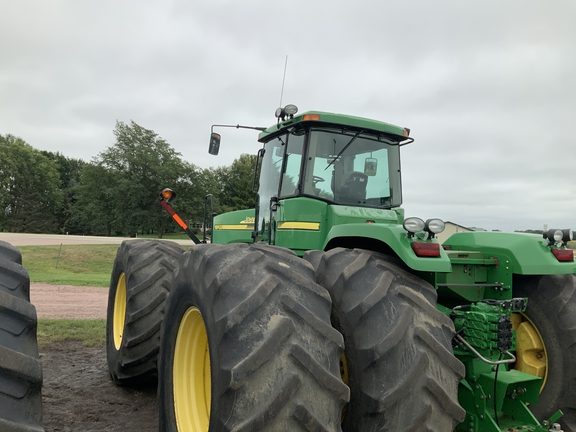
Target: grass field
91, 332
83, 265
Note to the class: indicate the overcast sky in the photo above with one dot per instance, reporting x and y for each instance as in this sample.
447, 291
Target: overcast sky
488, 88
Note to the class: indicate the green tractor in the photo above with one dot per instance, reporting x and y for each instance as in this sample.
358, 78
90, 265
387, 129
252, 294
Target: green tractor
325, 309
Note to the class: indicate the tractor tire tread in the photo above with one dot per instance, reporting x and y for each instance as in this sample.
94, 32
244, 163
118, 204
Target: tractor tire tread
286, 372
148, 266
403, 374
20, 366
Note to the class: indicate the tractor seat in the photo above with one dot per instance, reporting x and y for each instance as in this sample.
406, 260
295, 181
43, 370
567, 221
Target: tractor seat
354, 187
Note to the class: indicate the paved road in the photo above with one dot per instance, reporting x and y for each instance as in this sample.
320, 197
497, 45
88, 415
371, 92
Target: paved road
54, 239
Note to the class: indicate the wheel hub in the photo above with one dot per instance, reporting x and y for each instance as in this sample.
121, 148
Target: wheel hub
192, 385
530, 348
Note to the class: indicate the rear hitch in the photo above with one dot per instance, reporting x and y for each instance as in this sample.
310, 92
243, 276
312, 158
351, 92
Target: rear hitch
494, 394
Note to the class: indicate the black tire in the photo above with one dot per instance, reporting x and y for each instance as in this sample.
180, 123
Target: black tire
20, 367
551, 311
143, 271
273, 355
399, 362
14, 278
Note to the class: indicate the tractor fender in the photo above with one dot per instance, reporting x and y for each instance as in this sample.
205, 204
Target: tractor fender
525, 254
385, 238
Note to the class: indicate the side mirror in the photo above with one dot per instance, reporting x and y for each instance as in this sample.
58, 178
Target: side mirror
370, 166
214, 143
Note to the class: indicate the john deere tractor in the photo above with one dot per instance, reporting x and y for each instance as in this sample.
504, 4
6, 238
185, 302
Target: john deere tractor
325, 309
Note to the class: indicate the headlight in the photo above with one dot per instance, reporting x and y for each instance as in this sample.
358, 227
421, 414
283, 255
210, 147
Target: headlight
413, 225
435, 226
555, 235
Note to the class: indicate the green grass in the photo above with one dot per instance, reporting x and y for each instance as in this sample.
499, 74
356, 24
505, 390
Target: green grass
83, 265
92, 332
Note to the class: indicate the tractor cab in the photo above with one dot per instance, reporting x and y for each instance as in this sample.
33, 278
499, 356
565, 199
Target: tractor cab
338, 160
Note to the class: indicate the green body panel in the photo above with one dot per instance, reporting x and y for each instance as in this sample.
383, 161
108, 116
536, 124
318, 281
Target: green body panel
301, 210
517, 253
233, 227
476, 396
394, 236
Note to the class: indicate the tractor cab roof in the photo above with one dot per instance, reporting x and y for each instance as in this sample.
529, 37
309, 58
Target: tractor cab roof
320, 118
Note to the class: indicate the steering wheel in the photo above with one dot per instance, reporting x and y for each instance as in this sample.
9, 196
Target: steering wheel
317, 179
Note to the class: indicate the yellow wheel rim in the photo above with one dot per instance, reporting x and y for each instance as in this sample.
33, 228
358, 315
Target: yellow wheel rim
530, 349
191, 374
119, 311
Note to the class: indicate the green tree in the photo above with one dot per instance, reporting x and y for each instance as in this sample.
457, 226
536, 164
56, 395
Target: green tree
236, 181
141, 164
94, 210
30, 194
70, 171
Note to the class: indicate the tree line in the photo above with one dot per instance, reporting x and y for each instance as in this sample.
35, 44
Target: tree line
117, 192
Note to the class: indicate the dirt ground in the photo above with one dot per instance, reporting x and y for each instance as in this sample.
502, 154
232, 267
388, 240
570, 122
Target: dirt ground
78, 394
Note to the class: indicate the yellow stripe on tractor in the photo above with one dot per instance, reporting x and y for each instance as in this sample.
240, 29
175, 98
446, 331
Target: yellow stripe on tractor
234, 227
308, 226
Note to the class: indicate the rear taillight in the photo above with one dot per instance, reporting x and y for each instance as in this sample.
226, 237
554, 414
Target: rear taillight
422, 249
563, 255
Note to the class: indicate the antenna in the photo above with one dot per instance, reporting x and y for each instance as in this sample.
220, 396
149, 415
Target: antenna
283, 80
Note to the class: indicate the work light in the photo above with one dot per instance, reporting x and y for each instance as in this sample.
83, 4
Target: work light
413, 225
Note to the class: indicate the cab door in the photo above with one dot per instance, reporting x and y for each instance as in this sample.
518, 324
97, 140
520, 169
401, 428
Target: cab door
279, 179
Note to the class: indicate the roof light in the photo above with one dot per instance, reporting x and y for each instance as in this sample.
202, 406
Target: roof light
290, 109
564, 255
311, 117
422, 249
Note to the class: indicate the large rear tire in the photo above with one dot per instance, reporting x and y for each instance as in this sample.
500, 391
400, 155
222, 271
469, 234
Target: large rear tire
546, 342
249, 345
20, 368
140, 283
398, 361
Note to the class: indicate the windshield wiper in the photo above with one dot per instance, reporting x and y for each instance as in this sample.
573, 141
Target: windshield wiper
344, 149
